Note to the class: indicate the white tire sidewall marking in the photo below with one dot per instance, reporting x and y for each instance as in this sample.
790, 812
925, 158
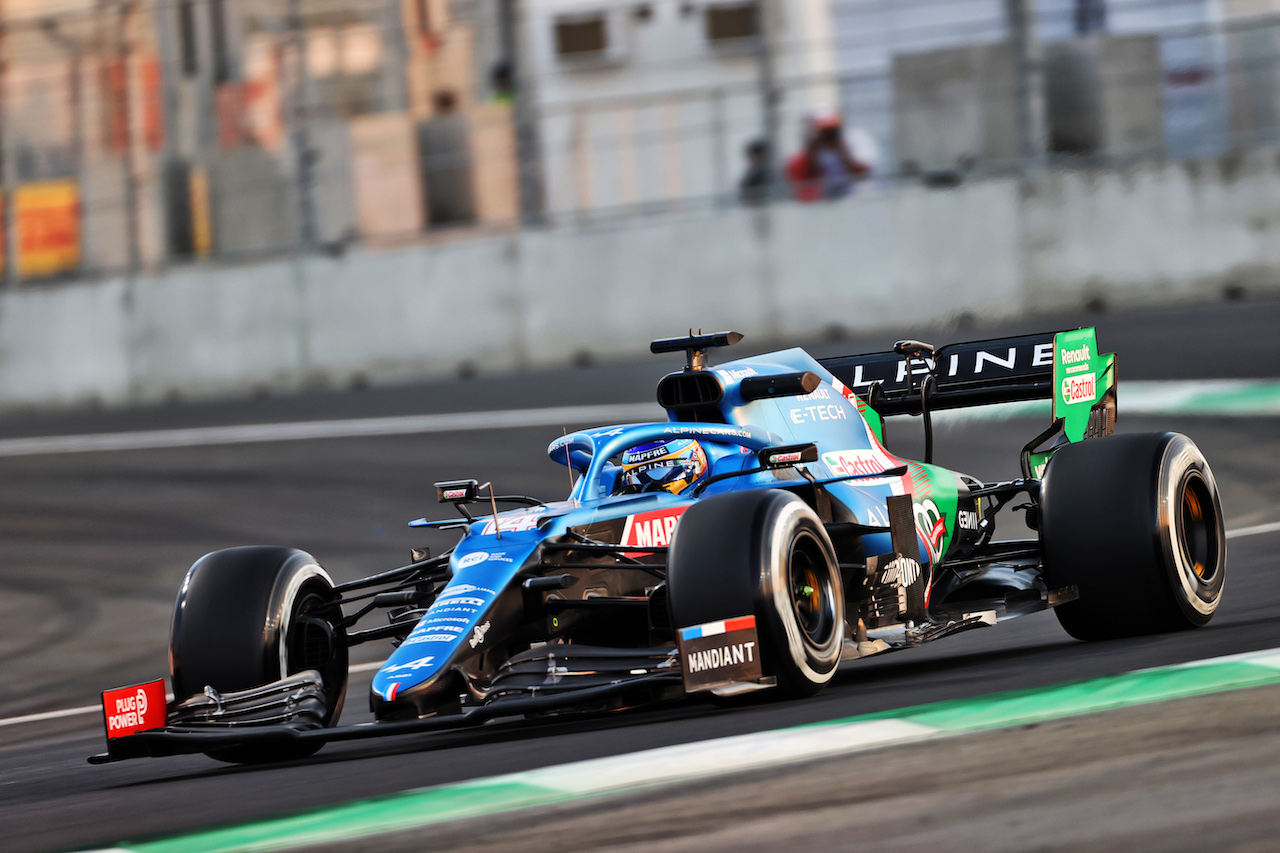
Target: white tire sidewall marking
776, 554
1181, 456
281, 610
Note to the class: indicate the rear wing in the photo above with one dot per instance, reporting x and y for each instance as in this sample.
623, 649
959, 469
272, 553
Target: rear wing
1064, 367
978, 373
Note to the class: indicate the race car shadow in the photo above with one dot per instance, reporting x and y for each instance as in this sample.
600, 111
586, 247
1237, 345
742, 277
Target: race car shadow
531, 732
894, 680
899, 680
893, 666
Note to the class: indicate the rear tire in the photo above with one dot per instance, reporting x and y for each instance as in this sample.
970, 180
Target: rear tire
1135, 523
763, 552
250, 616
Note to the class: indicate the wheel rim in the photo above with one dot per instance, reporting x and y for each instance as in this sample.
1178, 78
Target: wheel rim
311, 643
1198, 530
812, 591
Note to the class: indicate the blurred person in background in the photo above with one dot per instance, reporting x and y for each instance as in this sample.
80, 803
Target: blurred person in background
825, 168
444, 144
755, 185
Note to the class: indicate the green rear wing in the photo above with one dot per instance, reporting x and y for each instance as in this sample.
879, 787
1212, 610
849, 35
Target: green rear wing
1065, 367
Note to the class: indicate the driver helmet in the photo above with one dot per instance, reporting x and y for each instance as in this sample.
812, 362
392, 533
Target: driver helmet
670, 465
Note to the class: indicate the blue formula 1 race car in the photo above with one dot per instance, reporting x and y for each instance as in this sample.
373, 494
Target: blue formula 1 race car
752, 541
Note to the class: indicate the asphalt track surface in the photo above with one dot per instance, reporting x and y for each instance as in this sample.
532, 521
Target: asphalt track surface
94, 545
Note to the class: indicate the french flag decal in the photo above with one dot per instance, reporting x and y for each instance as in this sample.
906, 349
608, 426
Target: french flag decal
390, 694
711, 629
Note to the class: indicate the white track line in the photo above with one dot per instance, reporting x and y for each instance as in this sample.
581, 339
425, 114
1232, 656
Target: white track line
1256, 530
346, 428
51, 715
89, 709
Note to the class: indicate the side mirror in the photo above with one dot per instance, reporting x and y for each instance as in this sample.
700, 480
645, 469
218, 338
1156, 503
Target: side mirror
788, 455
913, 349
779, 385
457, 491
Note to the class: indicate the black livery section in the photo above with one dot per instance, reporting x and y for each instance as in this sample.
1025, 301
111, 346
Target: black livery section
975, 373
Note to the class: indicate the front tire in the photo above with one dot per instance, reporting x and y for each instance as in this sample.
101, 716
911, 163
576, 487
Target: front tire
250, 616
1135, 523
764, 552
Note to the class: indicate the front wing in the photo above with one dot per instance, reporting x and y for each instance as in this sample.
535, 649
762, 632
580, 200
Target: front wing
195, 738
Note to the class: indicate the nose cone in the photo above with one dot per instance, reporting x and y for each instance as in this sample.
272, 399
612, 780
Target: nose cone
440, 694
425, 674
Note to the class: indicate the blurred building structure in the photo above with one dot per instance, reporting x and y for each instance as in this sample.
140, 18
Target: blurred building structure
316, 122
653, 103
1206, 68
140, 134
935, 83
81, 123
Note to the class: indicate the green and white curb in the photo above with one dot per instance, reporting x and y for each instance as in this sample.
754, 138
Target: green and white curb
655, 767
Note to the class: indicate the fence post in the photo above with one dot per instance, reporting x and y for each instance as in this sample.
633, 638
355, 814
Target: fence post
124, 107
770, 95
298, 133
176, 228
9, 221
524, 111
721, 156
75, 49
1028, 81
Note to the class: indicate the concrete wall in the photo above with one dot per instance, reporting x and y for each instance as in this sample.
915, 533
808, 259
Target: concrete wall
1149, 233
901, 258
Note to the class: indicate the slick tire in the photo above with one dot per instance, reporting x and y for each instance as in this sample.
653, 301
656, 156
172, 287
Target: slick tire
1134, 522
762, 552
250, 616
